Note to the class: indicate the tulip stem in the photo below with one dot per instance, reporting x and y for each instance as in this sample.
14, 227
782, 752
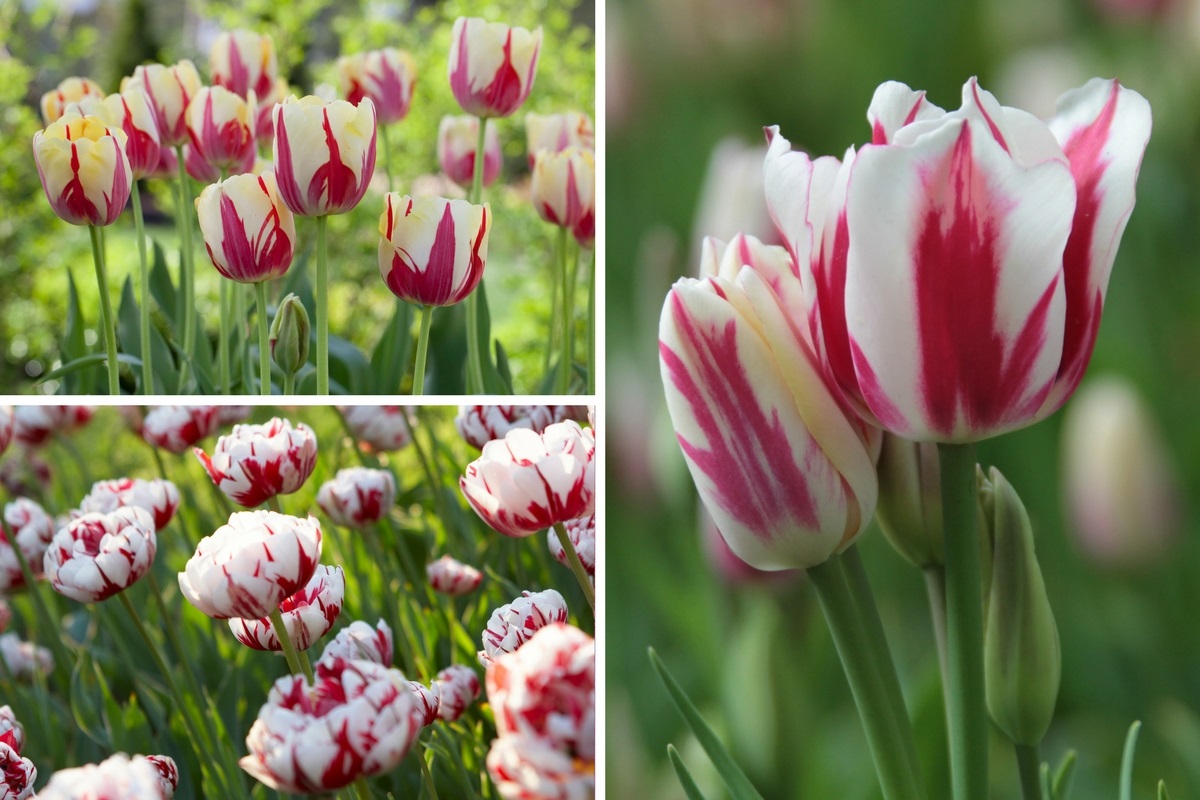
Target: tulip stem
966, 712
1029, 766
322, 299
591, 325
361, 790
106, 313
851, 636
264, 346
62, 657
563, 381
387, 154
555, 325
474, 357
187, 278
289, 650
139, 225
426, 773
274, 504
223, 342
289, 383
418, 386
935, 587
576, 565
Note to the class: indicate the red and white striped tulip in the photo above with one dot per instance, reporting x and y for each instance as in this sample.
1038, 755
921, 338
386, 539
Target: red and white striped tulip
786, 472
257, 462
563, 191
98, 555
426, 701
532, 768
116, 778
959, 262
384, 428
432, 251
492, 65
458, 136
132, 112
358, 641
70, 90
264, 114
159, 497
243, 62
6, 427
479, 425
582, 533
307, 615
357, 496
386, 76
17, 774
168, 773
84, 170
11, 732
512, 625
557, 132
176, 428
33, 426
28, 526
24, 659
456, 687
249, 233
324, 154
171, 89
221, 128
452, 577
356, 720
527, 481
248, 566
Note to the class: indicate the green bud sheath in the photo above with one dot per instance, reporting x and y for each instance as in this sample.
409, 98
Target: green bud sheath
289, 335
910, 500
1022, 658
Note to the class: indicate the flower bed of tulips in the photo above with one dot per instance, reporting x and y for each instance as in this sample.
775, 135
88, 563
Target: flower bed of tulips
373, 601
241, 164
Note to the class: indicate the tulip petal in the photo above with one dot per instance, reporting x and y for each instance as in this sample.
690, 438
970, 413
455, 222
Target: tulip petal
895, 105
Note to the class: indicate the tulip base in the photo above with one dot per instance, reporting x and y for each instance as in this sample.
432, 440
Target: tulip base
139, 225
106, 312
418, 386
576, 565
264, 345
1029, 766
322, 300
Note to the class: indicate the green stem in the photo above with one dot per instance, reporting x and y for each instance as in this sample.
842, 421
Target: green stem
274, 504
563, 377
361, 790
62, 657
144, 279
187, 277
966, 712
426, 773
555, 286
591, 326
264, 346
870, 695
387, 154
289, 383
289, 650
576, 565
322, 299
106, 313
570, 274
1029, 765
223, 342
935, 587
422, 349
474, 357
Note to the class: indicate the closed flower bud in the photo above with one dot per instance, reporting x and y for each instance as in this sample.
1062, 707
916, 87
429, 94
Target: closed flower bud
386, 76
433, 250
118, 776
132, 112
24, 660
243, 62
159, 497
28, 526
1023, 661
247, 567
360, 642
70, 90
97, 555
458, 136
307, 615
479, 425
426, 701
457, 685
512, 625
84, 170
556, 132
289, 335
582, 533
324, 154
257, 462
220, 126
249, 233
17, 774
176, 428
492, 66
384, 428
170, 89
910, 500
448, 576
357, 496
563, 191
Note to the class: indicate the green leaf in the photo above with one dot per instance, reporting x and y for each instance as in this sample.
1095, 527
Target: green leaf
162, 288
348, 366
1061, 788
88, 361
389, 359
84, 708
1044, 780
739, 785
502, 365
129, 332
73, 345
685, 778
1127, 761
1162, 790
493, 383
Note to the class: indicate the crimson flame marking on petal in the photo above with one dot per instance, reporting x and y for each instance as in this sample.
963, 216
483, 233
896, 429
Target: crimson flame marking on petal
991, 123
333, 179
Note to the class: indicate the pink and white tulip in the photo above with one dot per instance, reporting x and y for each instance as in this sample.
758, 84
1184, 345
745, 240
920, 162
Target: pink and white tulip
492, 66
221, 127
70, 90
426, 702
563, 191
479, 425
448, 576
28, 526
307, 615
257, 462
432, 251
11, 731
324, 154
176, 428
170, 90
386, 76
243, 62
249, 233
358, 641
17, 774
582, 533
456, 686
159, 497
557, 132
384, 428
959, 262
84, 170
358, 497
458, 136
512, 625
24, 659
132, 112
33, 426
98, 555
532, 768
118, 777
247, 567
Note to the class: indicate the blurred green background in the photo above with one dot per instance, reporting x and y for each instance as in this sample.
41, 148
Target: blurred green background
44, 41
682, 76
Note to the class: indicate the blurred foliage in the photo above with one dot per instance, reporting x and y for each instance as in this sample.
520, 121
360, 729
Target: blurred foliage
43, 42
758, 660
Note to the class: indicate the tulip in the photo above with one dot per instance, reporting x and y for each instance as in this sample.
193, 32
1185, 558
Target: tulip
492, 66
511, 626
531, 768
384, 428
99, 554
247, 567
960, 261
564, 191
479, 425
220, 126
788, 478
289, 339
426, 701
358, 497
386, 76
355, 720
17, 774
255, 463
177, 428
448, 576
526, 482
231, 415
170, 89
11, 732
24, 659
70, 90
433, 250
84, 170
264, 113
33, 426
159, 497
6, 427
29, 527
457, 138
168, 773
557, 132
132, 112
582, 533
243, 62
116, 776
360, 642
307, 615
168, 165
456, 686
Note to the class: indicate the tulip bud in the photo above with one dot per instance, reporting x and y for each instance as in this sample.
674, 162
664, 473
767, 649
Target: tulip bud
450, 576
432, 251
220, 125
386, 76
384, 428
243, 62
456, 686
289, 335
492, 65
557, 132
457, 139
910, 499
70, 90
170, 89
84, 170
324, 154
132, 112
563, 191
1023, 661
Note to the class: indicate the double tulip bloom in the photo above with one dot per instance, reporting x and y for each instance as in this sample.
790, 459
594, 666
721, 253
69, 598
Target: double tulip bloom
492, 66
257, 462
159, 497
479, 425
512, 625
307, 615
249, 232
458, 136
452, 577
433, 251
386, 76
145, 777
357, 496
582, 533
359, 641
98, 555
456, 687
564, 191
324, 154
176, 428
84, 170
29, 527
384, 428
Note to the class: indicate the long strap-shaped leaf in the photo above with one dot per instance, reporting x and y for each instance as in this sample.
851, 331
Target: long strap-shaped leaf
1127, 761
685, 778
